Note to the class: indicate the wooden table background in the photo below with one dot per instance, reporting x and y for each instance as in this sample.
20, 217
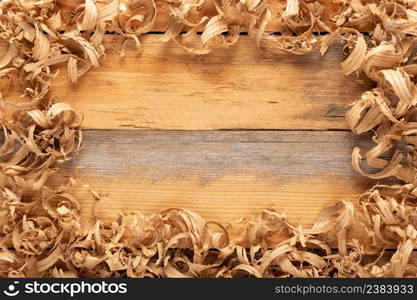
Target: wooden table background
224, 135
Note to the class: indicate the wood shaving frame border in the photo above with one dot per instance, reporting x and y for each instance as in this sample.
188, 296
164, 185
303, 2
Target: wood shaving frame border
41, 133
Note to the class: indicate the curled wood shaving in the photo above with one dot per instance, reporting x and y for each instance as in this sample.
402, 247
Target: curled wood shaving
355, 60
42, 224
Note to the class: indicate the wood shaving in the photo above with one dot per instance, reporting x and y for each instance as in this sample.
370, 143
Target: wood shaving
42, 233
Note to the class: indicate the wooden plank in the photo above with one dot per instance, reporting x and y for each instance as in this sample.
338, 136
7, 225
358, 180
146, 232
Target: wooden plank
221, 175
238, 88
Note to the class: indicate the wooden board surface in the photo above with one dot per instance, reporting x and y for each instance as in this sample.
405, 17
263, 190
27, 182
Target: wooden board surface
223, 175
237, 88
299, 165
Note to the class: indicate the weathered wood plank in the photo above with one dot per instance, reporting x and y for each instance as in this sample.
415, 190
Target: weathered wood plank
238, 88
221, 175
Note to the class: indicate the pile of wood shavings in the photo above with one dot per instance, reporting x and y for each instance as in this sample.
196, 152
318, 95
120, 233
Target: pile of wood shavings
41, 231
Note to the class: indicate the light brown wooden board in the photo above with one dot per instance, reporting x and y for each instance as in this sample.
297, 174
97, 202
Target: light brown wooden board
223, 175
237, 88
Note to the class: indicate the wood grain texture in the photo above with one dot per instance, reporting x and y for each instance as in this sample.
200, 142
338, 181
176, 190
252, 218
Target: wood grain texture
238, 88
221, 175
